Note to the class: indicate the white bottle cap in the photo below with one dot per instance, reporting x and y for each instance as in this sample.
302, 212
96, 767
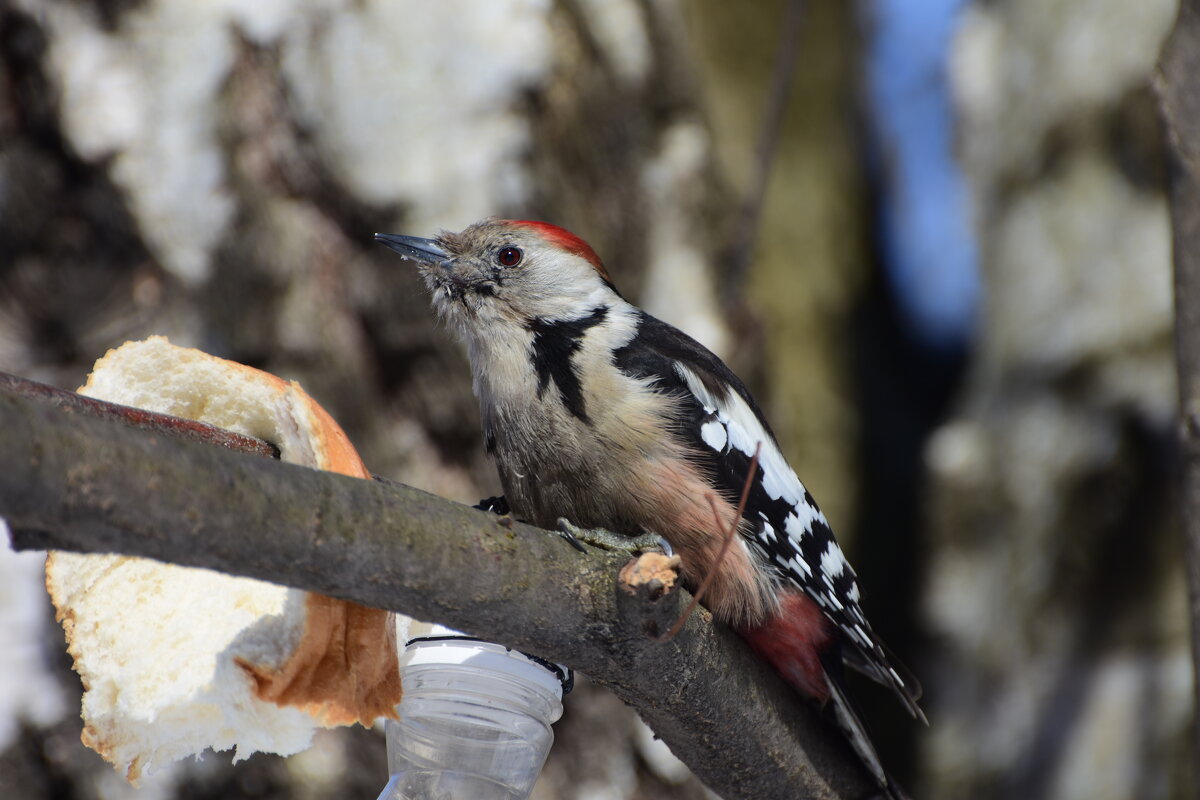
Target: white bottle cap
442, 645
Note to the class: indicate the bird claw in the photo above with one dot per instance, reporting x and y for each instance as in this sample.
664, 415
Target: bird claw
608, 540
569, 532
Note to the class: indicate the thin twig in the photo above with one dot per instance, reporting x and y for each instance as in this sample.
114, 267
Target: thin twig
740, 249
728, 536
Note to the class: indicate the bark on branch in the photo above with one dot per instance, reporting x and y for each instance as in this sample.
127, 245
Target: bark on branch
77, 483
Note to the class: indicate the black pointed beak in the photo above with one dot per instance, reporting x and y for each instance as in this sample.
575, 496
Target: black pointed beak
413, 248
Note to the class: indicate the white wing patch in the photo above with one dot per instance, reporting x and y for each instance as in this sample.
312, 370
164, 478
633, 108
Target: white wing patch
803, 516
714, 434
799, 566
833, 562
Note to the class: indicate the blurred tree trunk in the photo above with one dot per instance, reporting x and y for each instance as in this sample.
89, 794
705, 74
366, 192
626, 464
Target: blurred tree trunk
791, 310
1178, 88
1055, 586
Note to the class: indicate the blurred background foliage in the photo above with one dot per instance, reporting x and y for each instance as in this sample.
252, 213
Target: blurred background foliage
956, 312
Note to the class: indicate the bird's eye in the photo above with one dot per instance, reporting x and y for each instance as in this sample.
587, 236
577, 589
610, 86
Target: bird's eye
509, 256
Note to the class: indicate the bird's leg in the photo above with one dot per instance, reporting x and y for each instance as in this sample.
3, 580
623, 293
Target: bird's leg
608, 540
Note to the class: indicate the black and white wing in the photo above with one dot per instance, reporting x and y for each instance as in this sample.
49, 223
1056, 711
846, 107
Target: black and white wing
723, 425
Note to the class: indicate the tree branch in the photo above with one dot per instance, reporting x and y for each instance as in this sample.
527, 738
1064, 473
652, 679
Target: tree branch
1178, 87
165, 424
77, 483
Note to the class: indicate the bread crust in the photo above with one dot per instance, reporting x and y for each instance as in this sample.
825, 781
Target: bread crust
332, 661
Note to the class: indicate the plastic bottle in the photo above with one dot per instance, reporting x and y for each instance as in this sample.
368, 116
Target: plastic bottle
474, 722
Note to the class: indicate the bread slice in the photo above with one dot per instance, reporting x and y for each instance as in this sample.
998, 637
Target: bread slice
175, 659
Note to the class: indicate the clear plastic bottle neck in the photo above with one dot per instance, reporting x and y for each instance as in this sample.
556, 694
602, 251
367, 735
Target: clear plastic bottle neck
474, 722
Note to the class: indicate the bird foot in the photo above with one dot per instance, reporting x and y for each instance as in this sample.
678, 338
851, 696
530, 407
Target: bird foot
608, 540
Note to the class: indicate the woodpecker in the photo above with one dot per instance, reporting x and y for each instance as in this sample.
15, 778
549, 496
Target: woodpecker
597, 412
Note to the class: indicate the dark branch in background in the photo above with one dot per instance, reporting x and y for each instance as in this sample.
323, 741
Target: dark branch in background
75, 482
740, 248
1178, 85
